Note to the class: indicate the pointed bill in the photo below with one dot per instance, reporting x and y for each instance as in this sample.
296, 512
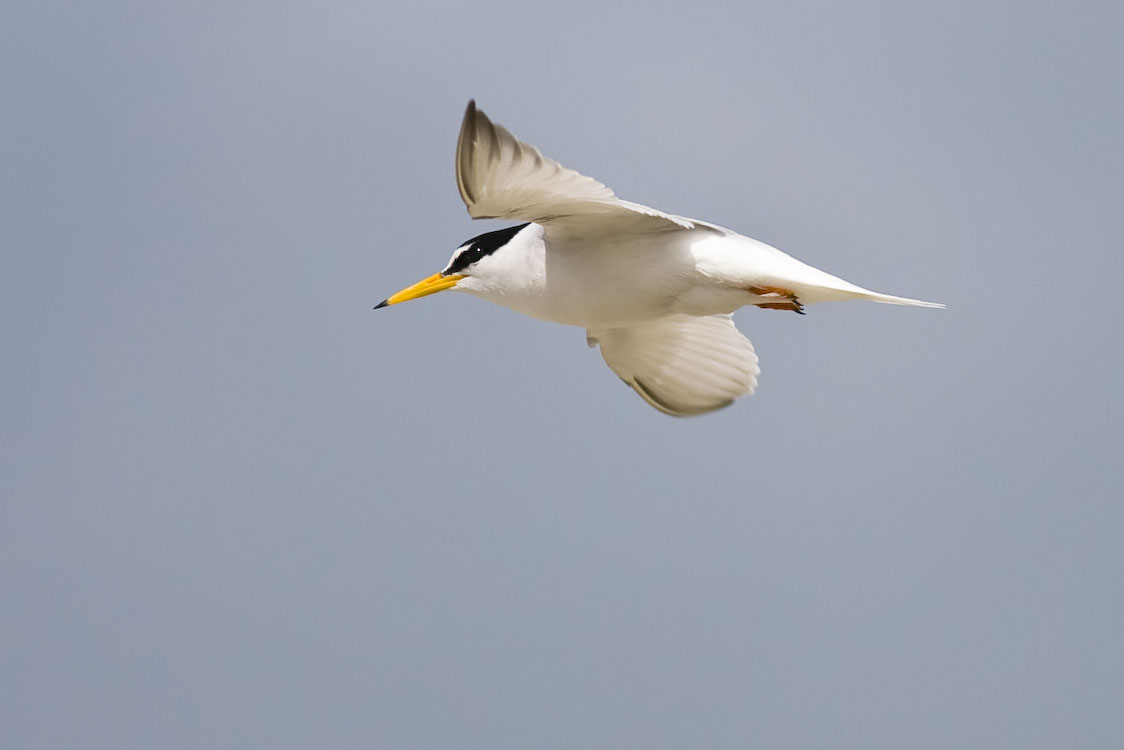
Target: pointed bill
427, 286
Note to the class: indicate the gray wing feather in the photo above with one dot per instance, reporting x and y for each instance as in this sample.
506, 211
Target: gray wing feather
501, 177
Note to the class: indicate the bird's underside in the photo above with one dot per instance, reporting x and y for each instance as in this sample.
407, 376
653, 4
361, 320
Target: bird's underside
683, 357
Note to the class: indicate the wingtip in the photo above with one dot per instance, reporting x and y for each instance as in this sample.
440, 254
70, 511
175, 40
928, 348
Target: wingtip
465, 141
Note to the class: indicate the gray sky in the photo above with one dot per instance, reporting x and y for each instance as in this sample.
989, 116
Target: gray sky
240, 509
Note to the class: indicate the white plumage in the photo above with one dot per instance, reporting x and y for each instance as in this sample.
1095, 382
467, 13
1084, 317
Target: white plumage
682, 364
654, 290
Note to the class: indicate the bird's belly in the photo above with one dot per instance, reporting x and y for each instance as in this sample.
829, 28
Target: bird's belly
598, 305
611, 288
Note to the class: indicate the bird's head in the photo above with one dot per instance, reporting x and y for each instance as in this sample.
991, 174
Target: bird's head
478, 265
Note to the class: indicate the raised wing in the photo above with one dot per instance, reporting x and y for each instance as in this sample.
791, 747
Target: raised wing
501, 177
683, 364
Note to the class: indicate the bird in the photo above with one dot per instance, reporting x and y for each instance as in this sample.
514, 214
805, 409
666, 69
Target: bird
654, 291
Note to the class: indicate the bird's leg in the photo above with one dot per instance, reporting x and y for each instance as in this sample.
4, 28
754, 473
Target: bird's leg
785, 300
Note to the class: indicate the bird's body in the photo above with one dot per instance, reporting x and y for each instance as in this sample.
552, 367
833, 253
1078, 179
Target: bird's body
654, 290
702, 271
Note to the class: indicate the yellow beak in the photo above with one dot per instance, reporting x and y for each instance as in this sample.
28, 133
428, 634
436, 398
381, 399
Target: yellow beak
432, 285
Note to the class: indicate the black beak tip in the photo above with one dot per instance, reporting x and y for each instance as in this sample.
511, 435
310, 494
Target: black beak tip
384, 303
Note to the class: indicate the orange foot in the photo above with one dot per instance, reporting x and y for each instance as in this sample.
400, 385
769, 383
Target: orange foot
786, 300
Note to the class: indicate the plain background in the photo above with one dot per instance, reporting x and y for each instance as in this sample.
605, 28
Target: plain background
240, 509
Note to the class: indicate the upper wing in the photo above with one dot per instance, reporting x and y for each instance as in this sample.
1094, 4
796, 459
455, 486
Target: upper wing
501, 177
682, 364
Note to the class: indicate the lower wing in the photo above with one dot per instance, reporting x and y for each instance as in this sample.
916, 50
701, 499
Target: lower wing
682, 364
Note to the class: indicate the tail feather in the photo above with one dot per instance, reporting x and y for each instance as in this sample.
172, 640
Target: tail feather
890, 299
763, 266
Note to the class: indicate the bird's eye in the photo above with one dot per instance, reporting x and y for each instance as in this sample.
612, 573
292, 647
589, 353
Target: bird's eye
473, 254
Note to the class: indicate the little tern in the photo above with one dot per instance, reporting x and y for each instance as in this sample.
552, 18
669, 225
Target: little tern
653, 290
